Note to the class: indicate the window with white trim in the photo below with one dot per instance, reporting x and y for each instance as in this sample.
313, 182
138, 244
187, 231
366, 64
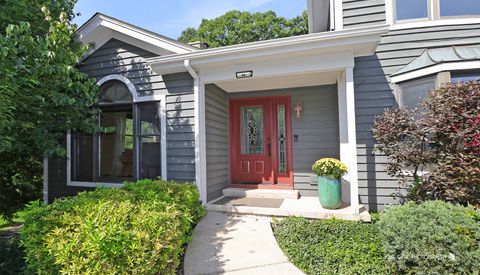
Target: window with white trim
406, 11
129, 146
465, 76
412, 92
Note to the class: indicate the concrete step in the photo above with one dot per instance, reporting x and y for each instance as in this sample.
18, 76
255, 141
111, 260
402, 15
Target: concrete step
260, 193
308, 207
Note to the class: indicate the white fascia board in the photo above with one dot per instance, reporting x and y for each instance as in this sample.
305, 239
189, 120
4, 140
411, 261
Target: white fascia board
142, 36
279, 67
87, 33
346, 40
452, 66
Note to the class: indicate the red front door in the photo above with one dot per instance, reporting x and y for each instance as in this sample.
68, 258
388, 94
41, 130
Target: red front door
261, 139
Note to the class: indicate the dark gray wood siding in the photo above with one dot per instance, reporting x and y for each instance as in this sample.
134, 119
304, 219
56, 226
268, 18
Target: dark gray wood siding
317, 130
362, 13
180, 127
216, 117
373, 94
117, 57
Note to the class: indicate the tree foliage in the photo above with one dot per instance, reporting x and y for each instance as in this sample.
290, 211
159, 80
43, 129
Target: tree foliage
438, 145
42, 95
236, 27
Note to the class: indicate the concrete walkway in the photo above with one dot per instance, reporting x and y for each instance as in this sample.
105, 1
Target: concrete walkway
235, 244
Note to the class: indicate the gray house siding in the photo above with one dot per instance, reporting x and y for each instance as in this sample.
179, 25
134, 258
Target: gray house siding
216, 117
116, 57
180, 127
317, 130
373, 94
363, 13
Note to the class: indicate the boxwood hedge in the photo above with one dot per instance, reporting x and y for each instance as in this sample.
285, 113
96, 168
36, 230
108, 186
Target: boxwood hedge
141, 228
434, 237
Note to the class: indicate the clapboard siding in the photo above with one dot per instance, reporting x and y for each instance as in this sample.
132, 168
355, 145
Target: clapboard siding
117, 57
180, 127
362, 13
216, 117
373, 94
317, 132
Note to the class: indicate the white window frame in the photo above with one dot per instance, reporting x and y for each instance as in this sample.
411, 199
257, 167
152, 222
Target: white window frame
434, 18
136, 99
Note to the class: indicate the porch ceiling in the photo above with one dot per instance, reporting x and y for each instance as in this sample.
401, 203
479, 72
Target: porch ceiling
283, 82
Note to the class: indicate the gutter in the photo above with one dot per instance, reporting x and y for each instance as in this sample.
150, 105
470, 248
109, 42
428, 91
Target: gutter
200, 135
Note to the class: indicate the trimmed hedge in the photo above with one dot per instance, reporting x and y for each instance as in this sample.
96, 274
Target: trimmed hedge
331, 246
431, 238
141, 228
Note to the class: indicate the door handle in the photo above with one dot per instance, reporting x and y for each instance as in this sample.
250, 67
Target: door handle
269, 146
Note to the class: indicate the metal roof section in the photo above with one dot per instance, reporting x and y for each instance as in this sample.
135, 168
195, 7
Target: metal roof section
432, 57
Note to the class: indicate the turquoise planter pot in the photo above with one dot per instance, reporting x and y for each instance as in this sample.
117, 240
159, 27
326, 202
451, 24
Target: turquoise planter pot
329, 192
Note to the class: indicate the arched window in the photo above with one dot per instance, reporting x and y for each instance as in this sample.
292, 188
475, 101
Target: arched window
115, 91
129, 146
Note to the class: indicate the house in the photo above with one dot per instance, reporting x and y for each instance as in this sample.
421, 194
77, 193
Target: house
257, 115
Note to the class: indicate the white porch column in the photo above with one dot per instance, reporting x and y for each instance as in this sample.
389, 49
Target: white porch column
347, 132
200, 136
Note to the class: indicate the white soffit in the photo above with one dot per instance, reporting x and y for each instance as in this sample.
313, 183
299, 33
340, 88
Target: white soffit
290, 81
101, 28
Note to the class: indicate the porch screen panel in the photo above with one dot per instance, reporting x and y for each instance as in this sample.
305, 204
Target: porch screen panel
282, 151
83, 161
148, 134
251, 130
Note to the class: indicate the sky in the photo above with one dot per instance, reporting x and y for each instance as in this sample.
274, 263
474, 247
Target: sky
171, 17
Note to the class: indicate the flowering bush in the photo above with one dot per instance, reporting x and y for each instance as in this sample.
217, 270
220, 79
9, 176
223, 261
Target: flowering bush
439, 144
329, 167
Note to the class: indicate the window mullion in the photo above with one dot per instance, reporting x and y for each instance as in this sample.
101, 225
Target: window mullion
434, 9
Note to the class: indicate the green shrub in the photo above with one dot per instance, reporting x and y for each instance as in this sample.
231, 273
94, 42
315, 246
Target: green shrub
431, 238
141, 228
331, 246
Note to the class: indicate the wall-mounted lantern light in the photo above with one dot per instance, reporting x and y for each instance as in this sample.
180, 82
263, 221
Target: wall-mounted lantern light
298, 109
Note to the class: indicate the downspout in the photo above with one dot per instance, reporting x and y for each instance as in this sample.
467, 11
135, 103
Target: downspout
200, 136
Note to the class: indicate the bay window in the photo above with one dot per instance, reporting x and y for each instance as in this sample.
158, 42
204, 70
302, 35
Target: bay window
128, 147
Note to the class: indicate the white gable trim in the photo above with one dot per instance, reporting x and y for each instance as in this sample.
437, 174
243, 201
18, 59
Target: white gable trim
101, 28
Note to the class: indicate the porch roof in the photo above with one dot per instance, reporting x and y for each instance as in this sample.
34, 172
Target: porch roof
356, 41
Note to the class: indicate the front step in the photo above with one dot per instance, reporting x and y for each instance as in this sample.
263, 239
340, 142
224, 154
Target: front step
260, 193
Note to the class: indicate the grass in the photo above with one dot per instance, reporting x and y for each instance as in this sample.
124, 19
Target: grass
331, 246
